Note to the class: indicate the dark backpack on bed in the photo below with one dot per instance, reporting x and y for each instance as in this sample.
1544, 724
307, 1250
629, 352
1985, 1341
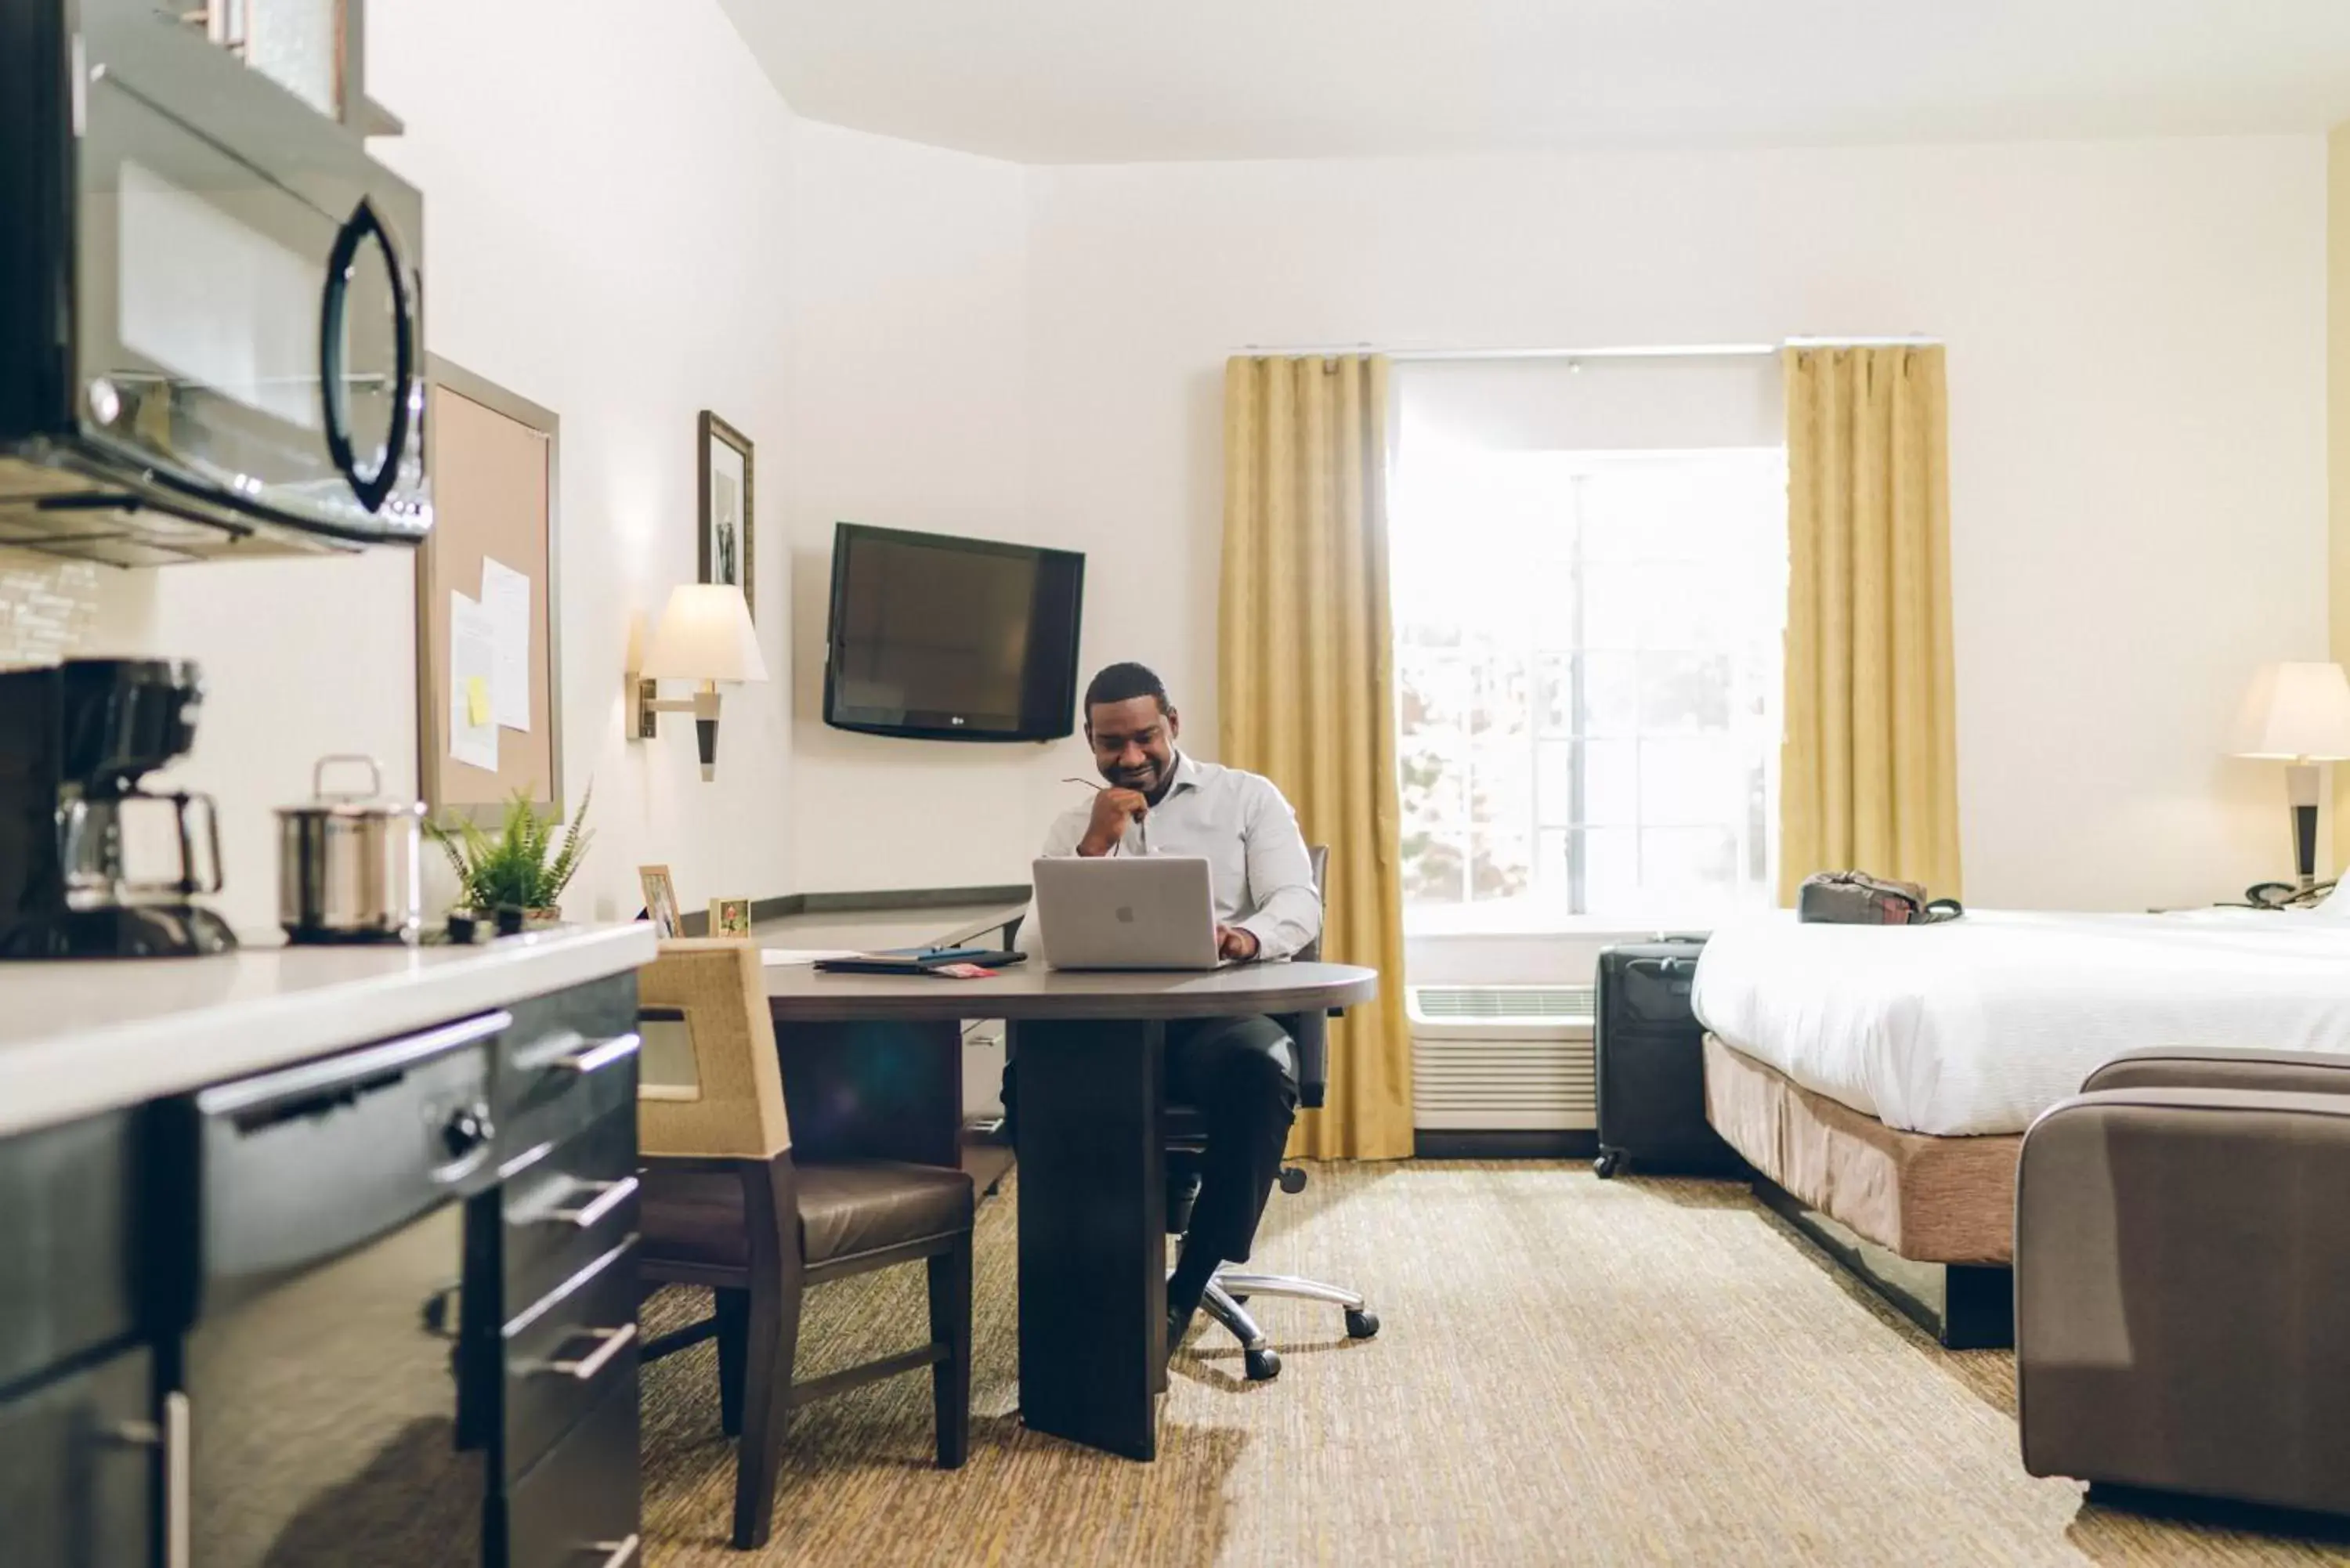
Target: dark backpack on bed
1857, 899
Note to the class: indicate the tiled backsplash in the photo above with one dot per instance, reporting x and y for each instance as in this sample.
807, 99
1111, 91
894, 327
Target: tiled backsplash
46, 606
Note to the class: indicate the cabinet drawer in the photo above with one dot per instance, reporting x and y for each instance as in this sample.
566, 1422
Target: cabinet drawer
78, 1463
579, 1506
571, 1204
567, 1351
561, 1063
68, 1242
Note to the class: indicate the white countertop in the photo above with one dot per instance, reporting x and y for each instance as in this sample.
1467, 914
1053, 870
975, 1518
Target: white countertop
78, 1038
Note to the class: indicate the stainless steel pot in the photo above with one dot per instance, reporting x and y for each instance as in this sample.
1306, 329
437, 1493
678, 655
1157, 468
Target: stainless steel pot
348, 864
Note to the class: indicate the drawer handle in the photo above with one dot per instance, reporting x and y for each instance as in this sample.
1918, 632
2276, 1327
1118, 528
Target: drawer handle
617, 1049
609, 1195
619, 1554
584, 1370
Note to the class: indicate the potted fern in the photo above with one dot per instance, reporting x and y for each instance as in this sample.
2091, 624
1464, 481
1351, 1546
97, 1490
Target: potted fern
525, 865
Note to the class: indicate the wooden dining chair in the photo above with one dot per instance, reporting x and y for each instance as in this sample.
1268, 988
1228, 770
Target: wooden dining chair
724, 1205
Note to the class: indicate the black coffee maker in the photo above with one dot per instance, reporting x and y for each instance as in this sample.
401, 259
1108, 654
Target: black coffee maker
90, 865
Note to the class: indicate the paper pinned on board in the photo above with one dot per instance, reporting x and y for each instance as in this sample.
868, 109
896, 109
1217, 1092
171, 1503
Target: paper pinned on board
472, 654
505, 598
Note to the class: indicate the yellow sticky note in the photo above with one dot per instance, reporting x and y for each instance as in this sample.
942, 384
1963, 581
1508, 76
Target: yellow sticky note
477, 700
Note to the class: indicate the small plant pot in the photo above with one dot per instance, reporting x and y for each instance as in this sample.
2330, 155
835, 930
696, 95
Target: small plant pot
532, 920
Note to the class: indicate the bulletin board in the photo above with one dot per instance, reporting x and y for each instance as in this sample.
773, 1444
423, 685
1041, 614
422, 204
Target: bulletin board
492, 457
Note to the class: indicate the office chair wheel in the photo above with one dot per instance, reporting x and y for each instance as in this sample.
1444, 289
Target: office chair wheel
1607, 1164
1361, 1323
1292, 1179
1263, 1365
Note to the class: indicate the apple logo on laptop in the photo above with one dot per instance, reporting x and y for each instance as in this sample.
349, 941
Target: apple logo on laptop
1126, 914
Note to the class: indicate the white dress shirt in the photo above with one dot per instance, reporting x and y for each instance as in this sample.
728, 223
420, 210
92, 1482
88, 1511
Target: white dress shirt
1240, 824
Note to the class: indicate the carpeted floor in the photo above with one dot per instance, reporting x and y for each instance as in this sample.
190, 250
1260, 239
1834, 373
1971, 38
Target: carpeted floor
1570, 1371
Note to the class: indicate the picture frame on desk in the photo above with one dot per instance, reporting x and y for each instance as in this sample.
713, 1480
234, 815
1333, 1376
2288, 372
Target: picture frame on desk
660, 899
730, 917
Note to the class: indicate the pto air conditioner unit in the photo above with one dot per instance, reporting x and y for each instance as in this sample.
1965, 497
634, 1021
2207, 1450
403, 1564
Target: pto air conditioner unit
1502, 1058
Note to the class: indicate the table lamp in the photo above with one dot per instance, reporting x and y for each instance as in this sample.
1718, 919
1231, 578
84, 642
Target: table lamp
705, 635
2298, 714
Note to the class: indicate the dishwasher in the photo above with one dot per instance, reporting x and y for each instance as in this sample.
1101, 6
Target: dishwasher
334, 1395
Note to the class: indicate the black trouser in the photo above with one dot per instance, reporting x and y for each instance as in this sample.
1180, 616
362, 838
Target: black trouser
1241, 1074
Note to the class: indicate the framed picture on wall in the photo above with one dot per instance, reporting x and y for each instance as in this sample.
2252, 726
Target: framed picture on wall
725, 463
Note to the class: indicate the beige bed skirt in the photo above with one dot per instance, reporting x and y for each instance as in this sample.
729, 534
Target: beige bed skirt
1932, 1199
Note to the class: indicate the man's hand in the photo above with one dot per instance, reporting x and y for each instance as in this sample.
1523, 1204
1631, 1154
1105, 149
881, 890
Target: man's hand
1115, 810
1233, 942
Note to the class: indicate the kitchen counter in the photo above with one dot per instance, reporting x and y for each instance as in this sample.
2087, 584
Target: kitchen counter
78, 1038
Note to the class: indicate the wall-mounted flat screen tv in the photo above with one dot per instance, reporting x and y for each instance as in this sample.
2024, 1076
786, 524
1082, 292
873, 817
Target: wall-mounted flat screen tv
949, 639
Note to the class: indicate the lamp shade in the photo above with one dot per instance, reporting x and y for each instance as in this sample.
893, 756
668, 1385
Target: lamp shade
705, 634
2295, 711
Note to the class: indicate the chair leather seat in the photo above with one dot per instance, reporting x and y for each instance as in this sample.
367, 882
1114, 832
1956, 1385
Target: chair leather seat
845, 1208
867, 1205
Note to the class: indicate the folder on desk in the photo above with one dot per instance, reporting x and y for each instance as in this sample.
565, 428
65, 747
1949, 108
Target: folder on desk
918, 960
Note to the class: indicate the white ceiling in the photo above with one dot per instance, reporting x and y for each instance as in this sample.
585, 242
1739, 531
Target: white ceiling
1099, 81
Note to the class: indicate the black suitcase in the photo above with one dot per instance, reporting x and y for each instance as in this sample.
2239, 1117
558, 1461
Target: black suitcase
1649, 1062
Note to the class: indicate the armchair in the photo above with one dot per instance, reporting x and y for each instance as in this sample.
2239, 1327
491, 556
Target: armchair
2182, 1270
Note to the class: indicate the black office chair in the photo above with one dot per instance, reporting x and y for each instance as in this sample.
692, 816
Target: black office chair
1228, 1293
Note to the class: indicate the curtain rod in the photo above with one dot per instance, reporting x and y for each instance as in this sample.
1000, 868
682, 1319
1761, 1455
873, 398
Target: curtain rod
1667, 351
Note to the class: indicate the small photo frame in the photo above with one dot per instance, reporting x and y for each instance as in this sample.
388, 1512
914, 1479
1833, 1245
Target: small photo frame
723, 460
730, 917
660, 899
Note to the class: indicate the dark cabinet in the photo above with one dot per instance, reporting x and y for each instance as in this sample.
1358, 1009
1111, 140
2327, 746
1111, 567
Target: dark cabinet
565, 1233
578, 1507
400, 1277
67, 1197
81, 1457
80, 1467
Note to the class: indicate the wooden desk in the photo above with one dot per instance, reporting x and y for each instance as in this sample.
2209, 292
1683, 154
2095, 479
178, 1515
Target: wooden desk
1093, 1283
887, 1090
891, 1091
941, 925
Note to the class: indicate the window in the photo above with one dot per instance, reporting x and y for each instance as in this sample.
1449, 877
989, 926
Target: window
1588, 671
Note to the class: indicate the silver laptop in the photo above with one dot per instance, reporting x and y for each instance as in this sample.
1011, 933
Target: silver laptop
1119, 912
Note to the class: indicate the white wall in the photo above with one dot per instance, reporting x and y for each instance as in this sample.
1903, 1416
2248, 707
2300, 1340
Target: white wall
2138, 398
911, 411
608, 233
634, 228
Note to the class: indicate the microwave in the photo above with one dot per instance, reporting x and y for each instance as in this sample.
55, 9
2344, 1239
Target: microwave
210, 296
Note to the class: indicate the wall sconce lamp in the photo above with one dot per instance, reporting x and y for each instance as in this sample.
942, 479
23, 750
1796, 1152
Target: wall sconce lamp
705, 635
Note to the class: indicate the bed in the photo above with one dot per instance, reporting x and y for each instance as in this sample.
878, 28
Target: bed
1879, 1079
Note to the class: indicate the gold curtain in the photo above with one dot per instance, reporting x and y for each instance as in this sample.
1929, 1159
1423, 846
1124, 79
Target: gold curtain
1305, 687
1868, 769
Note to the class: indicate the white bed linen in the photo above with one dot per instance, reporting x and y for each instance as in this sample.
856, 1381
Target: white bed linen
1979, 1026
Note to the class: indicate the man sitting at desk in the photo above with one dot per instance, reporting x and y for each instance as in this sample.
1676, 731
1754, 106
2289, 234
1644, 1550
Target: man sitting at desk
1242, 1072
